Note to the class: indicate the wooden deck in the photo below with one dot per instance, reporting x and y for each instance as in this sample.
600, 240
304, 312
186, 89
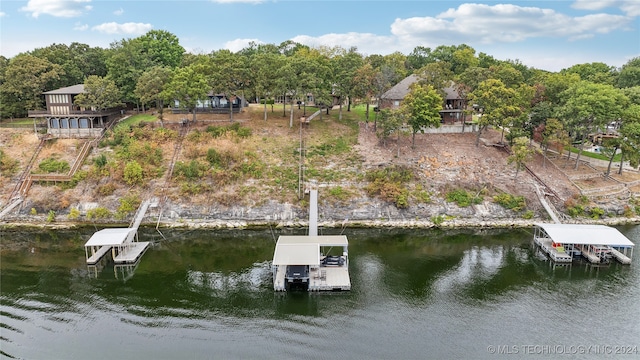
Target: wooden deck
554, 254
324, 278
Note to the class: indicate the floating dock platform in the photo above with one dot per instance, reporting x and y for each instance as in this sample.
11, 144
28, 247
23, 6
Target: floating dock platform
598, 244
307, 262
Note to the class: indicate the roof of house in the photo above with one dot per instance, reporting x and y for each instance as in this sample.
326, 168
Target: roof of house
75, 89
401, 89
586, 234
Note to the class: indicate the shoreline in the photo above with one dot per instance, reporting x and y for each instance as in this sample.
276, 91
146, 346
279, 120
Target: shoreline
193, 224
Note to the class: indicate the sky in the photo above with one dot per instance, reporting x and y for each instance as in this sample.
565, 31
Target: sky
549, 35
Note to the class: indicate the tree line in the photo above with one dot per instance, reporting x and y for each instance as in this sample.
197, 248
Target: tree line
149, 70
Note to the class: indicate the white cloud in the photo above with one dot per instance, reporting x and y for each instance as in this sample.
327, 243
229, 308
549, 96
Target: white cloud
239, 44
118, 12
630, 7
2, 14
126, 28
503, 23
81, 27
57, 8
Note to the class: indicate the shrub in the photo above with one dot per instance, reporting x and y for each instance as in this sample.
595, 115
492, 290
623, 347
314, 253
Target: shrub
74, 214
462, 198
51, 165
628, 211
244, 132
213, 157
508, 201
528, 214
51, 216
8, 166
106, 189
100, 161
128, 204
596, 213
98, 213
576, 210
192, 170
133, 173
216, 131
437, 220
33, 211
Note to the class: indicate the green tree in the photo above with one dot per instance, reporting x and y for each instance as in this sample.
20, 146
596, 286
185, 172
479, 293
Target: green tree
25, 78
553, 133
77, 61
521, 152
264, 66
344, 68
589, 106
188, 85
422, 107
596, 72
498, 103
162, 48
229, 75
390, 122
629, 139
629, 75
99, 93
151, 86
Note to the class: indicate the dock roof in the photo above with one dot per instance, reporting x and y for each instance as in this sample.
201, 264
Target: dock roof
110, 237
586, 234
304, 250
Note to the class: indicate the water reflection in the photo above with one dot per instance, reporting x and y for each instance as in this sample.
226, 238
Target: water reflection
194, 289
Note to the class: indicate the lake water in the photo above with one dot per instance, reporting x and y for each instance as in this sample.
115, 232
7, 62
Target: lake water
416, 294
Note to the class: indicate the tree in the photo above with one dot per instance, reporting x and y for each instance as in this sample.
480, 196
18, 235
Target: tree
422, 107
151, 85
345, 66
293, 77
553, 132
589, 106
629, 139
188, 85
99, 94
391, 121
521, 152
498, 103
228, 75
264, 66
437, 74
25, 78
595, 72
629, 75
162, 48
77, 60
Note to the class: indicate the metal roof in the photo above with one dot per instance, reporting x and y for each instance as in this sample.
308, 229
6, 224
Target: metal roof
297, 254
75, 89
304, 250
586, 234
111, 237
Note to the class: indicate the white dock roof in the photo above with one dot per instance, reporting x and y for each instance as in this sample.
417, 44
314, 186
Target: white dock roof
110, 237
304, 250
586, 234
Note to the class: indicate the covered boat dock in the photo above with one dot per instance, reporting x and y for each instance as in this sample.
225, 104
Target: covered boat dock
598, 244
325, 272
119, 241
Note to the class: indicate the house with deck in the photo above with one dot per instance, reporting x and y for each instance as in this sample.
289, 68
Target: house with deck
213, 103
64, 119
452, 107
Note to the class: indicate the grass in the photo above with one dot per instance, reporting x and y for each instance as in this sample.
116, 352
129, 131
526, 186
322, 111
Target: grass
589, 154
136, 119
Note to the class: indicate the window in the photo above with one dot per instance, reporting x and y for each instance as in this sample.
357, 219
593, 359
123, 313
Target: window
53, 123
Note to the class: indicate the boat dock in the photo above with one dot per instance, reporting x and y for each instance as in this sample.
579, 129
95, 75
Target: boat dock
119, 243
311, 263
598, 244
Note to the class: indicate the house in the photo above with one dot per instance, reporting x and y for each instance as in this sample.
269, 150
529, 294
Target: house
66, 120
452, 107
213, 103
